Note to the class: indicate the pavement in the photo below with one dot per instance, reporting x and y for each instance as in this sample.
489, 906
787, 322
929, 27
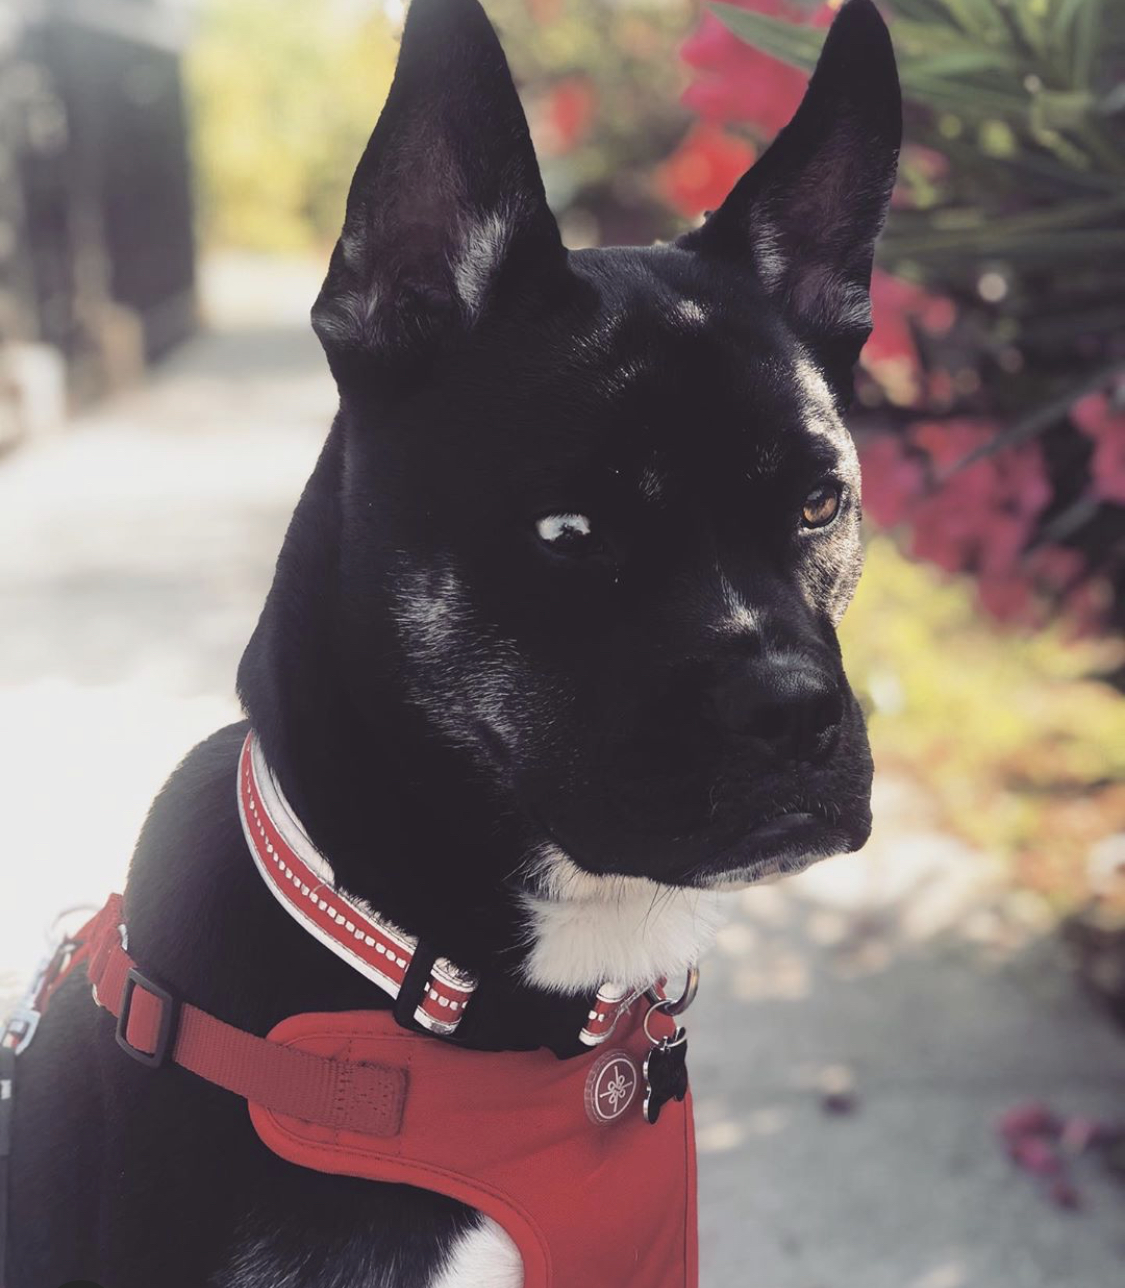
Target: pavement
859, 1028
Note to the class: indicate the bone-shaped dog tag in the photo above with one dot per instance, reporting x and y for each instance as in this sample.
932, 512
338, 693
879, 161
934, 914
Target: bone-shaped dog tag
665, 1074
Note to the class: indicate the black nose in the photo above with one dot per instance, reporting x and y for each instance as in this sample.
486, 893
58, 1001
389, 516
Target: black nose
786, 702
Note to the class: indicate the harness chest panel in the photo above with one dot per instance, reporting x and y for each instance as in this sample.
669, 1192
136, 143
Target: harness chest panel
588, 1162
556, 1151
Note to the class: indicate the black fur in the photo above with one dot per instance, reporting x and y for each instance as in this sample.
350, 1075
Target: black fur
443, 695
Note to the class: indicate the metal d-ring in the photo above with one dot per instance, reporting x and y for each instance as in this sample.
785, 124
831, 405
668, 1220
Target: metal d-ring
667, 1044
678, 1005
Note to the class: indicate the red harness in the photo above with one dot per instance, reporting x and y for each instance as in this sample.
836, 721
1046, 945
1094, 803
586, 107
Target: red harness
558, 1152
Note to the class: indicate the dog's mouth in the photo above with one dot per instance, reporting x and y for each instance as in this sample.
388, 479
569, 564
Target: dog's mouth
780, 846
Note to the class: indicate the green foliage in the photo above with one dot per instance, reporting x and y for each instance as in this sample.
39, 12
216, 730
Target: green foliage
283, 95
1024, 99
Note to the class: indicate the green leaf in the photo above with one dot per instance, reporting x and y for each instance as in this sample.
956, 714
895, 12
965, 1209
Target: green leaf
1060, 111
1087, 33
978, 17
962, 61
923, 11
1067, 12
798, 46
930, 76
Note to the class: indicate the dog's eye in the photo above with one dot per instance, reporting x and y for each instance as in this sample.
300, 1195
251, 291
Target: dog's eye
821, 506
568, 534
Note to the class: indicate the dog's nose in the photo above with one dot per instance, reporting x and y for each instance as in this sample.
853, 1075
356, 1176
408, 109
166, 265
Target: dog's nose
792, 705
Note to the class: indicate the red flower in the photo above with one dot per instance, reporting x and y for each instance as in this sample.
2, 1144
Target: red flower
703, 169
736, 82
891, 354
568, 115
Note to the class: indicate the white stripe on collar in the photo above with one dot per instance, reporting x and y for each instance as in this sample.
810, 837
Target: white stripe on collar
302, 881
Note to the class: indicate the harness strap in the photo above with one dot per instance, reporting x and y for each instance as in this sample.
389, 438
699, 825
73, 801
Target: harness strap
154, 1028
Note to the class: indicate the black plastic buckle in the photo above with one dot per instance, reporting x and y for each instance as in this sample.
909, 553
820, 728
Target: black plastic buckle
169, 1021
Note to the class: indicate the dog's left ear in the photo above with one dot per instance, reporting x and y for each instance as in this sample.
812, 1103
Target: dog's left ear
446, 207
807, 214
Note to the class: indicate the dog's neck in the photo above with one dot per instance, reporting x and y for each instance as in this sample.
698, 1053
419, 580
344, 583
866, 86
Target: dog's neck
402, 817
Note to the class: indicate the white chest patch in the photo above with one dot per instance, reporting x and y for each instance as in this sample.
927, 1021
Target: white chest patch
586, 929
484, 1257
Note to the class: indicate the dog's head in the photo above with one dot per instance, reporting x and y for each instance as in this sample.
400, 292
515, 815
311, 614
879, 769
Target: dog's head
599, 508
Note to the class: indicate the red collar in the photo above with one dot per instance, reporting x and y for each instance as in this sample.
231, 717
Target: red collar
302, 881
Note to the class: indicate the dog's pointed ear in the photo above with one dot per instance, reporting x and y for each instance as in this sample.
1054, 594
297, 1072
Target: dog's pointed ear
808, 213
447, 205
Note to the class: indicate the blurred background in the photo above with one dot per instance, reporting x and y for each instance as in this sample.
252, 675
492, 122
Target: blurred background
909, 1065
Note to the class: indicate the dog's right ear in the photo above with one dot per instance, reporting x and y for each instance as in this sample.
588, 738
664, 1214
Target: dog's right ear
807, 214
446, 209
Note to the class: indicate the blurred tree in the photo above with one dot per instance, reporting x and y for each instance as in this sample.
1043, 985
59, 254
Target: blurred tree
284, 95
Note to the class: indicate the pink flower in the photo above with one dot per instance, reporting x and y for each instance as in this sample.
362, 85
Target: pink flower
948, 442
1098, 419
1037, 1155
1055, 567
982, 515
891, 354
892, 480
1090, 413
1029, 1118
1008, 598
736, 82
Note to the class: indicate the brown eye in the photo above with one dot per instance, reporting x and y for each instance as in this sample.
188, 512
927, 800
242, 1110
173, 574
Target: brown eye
821, 506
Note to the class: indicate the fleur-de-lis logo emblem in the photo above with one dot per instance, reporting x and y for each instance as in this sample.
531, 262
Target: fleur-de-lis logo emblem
611, 1086
616, 1091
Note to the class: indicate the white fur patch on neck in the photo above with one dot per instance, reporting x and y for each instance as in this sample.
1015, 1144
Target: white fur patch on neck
586, 929
484, 1257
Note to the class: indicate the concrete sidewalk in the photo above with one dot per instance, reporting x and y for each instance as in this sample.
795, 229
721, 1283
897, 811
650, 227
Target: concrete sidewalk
134, 553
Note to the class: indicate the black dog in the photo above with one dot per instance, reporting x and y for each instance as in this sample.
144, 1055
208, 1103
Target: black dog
548, 660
